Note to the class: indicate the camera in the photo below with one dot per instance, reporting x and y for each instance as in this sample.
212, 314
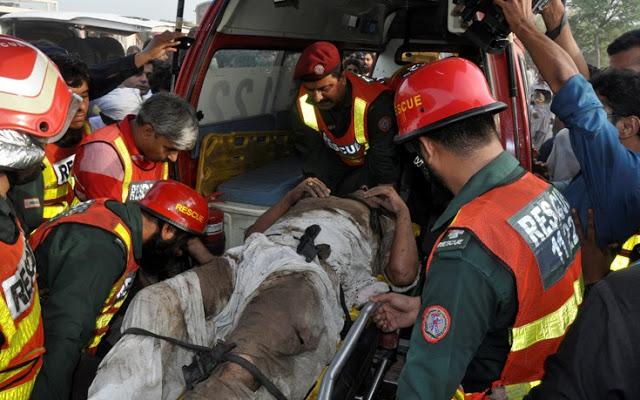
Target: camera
489, 32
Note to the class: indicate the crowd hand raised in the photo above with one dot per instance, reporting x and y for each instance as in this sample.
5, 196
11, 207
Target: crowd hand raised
159, 47
310, 187
516, 12
387, 197
396, 311
596, 263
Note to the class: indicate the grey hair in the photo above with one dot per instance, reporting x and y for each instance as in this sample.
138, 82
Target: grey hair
172, 117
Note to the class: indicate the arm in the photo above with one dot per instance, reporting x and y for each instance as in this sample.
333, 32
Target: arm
382, 157
98, 172
479, 298
555, 65
77, 292
109, 75
317, 159
552, 16
402, 267
310, 187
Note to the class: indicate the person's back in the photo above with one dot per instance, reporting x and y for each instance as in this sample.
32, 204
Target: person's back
599, 357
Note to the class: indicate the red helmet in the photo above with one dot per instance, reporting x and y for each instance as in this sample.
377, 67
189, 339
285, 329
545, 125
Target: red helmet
441, 93
34, 98
178, 205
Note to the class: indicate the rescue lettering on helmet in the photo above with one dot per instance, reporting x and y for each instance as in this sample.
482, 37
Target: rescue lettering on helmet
404, 105
187, 211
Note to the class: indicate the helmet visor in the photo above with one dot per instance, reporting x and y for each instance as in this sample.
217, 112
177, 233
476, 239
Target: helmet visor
74, 103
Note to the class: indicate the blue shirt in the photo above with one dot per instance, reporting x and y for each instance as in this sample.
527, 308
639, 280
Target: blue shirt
609, 181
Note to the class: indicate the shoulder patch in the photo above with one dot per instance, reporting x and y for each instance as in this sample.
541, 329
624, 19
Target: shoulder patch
455, 239
435, 324
384, 124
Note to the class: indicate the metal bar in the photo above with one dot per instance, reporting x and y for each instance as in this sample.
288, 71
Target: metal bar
341, 357
378, 378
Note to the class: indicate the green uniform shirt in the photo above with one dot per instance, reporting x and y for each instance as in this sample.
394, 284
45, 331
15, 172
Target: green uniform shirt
28, 201
78, 264
324, 163
479, 296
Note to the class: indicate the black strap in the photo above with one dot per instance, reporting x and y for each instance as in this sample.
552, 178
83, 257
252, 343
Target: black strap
260, 377
348, 322
224, 355
554, 33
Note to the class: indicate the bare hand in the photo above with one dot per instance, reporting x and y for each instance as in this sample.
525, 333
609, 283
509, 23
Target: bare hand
310, 187
159, 47
595, 262
516, 12
198, 251
397, 311
387, 197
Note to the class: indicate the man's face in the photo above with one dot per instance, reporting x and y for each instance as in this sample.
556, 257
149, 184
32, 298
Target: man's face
157, 148
157, 253
81, 114
327, 92
352, 68
617, 121
140, 80
368, 60
628, 59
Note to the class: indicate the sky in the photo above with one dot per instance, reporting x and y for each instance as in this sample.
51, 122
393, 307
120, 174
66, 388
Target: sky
152, 9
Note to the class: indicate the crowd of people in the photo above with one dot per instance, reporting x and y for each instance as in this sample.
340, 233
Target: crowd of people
528, 291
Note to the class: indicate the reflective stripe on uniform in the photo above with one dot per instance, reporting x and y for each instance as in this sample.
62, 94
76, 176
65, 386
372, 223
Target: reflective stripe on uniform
110, 307
622, 261
519, 390
552, 325
128, 168
308, 113
359, 108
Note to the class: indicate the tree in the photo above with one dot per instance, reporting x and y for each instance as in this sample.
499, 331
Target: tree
596, 23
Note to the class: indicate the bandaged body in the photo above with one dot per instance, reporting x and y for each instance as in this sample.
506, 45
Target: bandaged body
282, 312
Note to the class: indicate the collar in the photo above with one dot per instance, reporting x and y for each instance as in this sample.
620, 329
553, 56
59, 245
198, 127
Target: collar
131, 215
502, 170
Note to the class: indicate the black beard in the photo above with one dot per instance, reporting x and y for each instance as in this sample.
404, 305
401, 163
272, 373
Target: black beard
26, 175
158, 255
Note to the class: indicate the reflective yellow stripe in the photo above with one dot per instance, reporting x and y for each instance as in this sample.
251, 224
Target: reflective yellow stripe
22, 392
359, 107
26, 329
50, 211
165, 171
56, 192
622, 262
103, 319
459, 395
519, 390
48, 174
8, 329
551, 326
128, 169
308, 113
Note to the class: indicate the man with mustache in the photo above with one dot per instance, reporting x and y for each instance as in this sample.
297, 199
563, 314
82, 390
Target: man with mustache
343, 124
122, 161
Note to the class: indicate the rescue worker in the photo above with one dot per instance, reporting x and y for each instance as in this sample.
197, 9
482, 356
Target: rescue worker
35, 107
88, 258
122, 161
58, 188
343, 123
276, 298
504, 279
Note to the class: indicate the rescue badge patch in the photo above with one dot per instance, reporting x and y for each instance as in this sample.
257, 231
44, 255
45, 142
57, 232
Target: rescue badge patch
318, 69
454, 239
32, 202
435, 324
385, 123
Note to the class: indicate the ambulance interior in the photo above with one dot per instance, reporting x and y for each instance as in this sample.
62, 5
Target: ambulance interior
239, 74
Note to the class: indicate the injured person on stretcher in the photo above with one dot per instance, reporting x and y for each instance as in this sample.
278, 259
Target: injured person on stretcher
277, 298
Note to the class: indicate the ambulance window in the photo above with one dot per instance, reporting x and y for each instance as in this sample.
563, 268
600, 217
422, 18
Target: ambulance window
360, 62
243, 83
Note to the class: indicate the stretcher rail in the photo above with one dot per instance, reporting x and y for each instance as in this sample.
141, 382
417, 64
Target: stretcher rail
348, 345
